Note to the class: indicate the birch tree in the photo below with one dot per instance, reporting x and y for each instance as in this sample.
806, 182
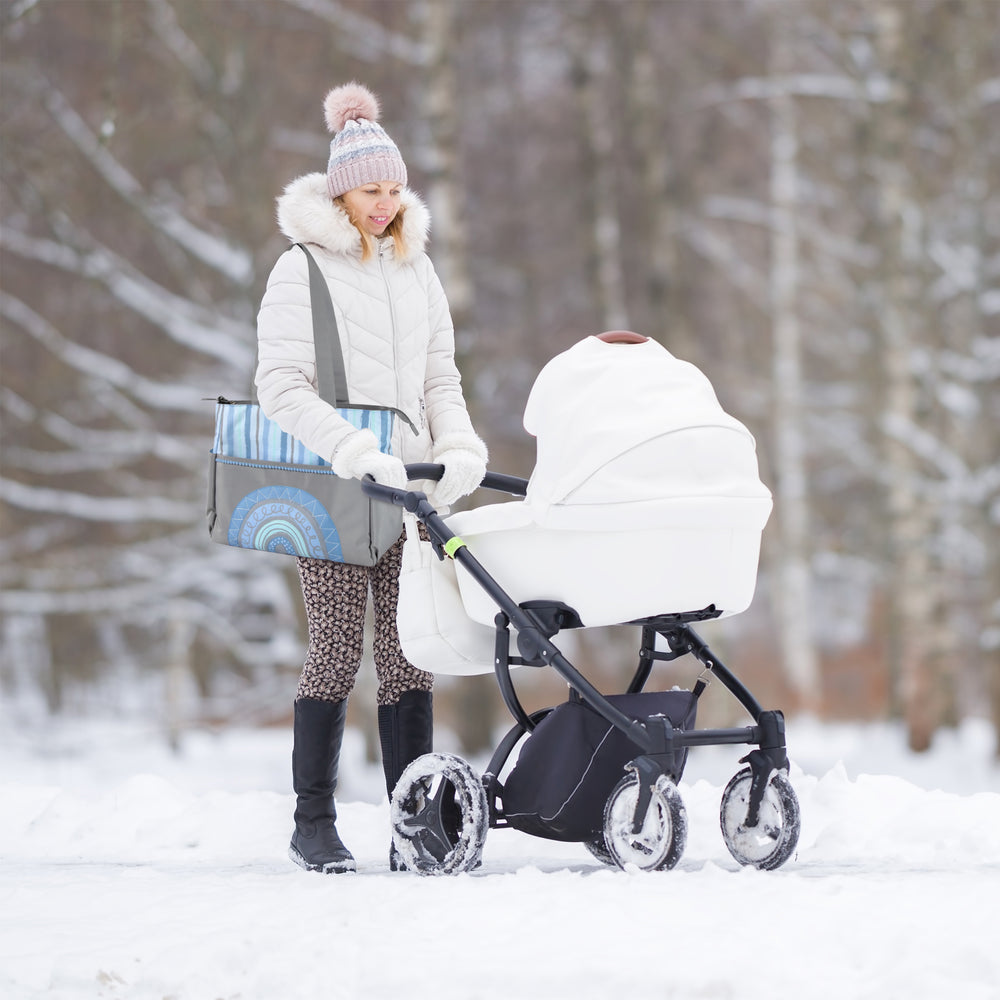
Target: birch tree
794, 575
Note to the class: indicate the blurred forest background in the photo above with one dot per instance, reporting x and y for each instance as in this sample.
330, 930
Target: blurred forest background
798, 196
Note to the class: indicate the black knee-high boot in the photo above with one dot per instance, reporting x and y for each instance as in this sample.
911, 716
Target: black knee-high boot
318, 732
406, 731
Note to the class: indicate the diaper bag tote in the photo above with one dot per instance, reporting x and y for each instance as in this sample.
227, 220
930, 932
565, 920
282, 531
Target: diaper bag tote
267, 491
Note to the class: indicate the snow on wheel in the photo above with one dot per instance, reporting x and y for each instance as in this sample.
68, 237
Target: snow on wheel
439, 815
659, 842
773, 840
599, 849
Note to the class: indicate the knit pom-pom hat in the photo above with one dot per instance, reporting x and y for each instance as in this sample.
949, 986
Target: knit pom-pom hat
360, 151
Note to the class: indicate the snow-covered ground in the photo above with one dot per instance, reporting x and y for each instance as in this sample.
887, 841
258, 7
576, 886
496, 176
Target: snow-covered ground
130, 872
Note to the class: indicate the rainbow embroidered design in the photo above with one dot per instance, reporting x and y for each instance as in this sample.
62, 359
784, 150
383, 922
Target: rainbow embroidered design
285, 520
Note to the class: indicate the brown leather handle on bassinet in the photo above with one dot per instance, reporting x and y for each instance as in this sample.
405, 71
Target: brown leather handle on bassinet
622, 337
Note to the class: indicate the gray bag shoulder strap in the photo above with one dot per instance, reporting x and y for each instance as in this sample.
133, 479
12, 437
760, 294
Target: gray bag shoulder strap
331, 376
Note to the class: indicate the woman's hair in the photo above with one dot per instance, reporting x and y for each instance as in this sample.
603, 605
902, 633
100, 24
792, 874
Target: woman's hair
394, 229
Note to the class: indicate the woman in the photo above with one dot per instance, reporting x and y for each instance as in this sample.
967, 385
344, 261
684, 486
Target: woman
367, 232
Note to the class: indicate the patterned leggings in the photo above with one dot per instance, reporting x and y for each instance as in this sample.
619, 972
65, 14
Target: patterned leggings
336, 596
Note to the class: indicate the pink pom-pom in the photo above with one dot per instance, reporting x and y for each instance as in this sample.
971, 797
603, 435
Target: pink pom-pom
349, 103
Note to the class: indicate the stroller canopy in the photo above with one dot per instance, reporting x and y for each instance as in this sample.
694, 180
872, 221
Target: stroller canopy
645, 500
630, 425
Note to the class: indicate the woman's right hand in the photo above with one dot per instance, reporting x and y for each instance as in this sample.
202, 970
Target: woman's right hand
359, 456
387, 470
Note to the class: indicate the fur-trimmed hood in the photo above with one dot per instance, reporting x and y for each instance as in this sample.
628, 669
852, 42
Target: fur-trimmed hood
307, 214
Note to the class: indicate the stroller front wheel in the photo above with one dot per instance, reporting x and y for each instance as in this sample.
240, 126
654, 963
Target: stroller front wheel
659, 842
599, 849
770, 843
439, 815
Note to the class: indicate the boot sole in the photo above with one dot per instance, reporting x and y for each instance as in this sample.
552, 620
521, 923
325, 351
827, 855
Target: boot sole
329, 868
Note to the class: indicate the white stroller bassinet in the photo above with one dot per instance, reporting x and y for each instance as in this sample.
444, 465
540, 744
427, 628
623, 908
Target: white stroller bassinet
645, 500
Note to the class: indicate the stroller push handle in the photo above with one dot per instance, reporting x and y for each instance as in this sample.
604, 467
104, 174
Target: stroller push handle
514, 485
409, 499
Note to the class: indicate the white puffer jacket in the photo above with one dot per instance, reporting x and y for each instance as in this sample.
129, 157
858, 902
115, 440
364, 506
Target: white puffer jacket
395, 330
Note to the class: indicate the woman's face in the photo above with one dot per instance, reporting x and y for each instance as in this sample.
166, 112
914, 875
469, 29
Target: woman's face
373, 206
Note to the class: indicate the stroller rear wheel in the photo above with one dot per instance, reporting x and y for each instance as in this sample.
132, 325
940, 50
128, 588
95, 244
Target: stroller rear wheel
659, 842
439, 815
772, 841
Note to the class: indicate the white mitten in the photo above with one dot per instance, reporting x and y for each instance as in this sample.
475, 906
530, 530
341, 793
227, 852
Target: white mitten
464, 459
359, 456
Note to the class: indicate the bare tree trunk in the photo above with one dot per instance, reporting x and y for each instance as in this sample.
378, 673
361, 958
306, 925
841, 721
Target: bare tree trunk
669, 322
978, 434
592, 78
177, 676
908, 525
440, 154
794, 583
475, 700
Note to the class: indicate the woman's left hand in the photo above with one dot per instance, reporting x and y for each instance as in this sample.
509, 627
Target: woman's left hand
464, 464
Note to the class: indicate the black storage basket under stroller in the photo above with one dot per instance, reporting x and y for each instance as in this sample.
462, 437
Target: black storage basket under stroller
574, 757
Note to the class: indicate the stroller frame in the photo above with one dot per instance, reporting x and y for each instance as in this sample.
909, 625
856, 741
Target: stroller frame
659, 743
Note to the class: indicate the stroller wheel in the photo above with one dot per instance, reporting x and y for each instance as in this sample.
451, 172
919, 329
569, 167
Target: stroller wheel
659, 842
439, 815
772, 841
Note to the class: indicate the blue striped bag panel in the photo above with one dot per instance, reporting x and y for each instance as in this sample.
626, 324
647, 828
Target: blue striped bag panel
242, 431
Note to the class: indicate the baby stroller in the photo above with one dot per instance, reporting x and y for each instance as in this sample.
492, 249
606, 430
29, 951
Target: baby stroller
648, 515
